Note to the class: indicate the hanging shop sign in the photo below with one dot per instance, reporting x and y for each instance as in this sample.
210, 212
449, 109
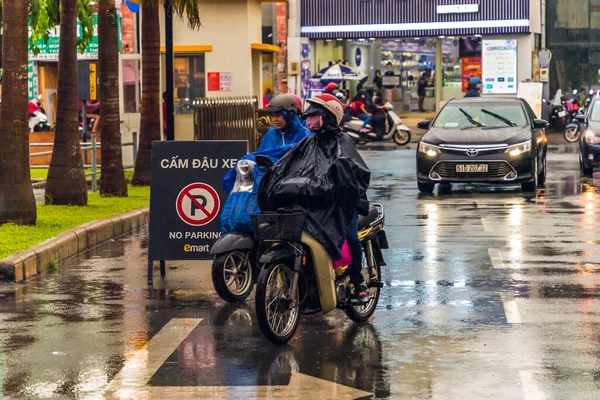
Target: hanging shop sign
499, 66
457, 8
49, 49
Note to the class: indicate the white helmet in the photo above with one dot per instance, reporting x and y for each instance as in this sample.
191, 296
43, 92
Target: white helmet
330, 103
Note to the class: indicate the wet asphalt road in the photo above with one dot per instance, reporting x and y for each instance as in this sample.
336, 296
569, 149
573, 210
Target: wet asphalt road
489, 294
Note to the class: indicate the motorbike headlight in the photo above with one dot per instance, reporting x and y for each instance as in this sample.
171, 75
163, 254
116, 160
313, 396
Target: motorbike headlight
518, 149
591, 137
244, 182
429, 149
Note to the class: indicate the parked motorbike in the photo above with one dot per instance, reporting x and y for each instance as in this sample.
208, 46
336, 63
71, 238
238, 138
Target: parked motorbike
558, 118
573, 130
234, 269
395, 129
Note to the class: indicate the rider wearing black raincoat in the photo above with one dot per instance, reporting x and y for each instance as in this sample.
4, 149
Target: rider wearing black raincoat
325, 177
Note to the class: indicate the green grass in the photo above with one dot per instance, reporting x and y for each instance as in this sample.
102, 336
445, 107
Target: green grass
52, 220
42, 173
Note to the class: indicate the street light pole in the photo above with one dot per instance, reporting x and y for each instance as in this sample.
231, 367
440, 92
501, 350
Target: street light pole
169, 69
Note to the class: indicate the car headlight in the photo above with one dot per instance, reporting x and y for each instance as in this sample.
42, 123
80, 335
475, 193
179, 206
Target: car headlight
518, 149
591, 137
244, 182
429, 149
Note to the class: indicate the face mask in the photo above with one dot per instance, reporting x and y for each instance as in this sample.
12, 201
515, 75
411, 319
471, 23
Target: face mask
269, 96
478, 88
314, 122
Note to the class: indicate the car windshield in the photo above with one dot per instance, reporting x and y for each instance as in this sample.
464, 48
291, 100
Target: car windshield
595, 115
484, 115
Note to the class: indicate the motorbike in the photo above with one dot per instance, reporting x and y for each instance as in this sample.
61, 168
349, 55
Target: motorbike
38, 122
558, 118
297, 275
573, 130
234, 269
395, 129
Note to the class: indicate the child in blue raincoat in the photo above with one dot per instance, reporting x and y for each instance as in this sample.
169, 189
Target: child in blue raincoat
288, 131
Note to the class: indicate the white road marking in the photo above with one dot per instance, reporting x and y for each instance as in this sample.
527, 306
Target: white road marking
132, 381
531, 387
496, 259
487, 225
141, 364
511, 310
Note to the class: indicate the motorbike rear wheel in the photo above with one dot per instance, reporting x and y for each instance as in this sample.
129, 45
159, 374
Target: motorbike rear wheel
277, 308
233, 277
363, 312
572, 135
401, 137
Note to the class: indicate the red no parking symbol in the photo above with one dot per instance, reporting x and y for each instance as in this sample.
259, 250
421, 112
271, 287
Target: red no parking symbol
198, 204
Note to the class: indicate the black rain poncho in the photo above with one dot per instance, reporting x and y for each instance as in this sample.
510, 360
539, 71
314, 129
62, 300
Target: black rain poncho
326, 177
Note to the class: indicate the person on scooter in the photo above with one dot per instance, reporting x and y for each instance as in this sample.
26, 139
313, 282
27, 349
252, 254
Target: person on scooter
288, 128
330, 88
474, 89
347, 198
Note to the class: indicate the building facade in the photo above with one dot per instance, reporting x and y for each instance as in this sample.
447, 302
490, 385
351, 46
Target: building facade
573, 36
449, 36
223, 58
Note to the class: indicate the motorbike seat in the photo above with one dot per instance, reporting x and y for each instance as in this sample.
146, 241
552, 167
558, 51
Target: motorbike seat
364, 221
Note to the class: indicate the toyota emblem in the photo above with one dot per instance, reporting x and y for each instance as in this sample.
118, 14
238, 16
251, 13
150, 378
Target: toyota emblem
472, 152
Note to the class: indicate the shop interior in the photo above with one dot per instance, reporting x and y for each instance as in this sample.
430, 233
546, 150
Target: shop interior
411, 57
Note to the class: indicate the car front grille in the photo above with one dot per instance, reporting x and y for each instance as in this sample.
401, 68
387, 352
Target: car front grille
496, 170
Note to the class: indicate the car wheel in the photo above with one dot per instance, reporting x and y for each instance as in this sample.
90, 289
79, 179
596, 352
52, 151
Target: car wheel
533, 185
542, 174
426, 187
585, 170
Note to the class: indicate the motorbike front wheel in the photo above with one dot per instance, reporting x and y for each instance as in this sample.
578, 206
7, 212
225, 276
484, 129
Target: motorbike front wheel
401, 137
572, 135
277, 308
232, 276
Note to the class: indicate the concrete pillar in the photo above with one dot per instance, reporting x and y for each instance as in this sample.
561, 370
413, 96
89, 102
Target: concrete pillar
439, 73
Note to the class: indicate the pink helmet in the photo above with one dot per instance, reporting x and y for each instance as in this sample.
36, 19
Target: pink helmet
298, 102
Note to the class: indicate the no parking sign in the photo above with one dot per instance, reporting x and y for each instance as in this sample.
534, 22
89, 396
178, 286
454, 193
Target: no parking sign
186, 197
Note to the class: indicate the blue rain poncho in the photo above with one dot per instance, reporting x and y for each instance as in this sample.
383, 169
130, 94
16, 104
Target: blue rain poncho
294, 133
240, 205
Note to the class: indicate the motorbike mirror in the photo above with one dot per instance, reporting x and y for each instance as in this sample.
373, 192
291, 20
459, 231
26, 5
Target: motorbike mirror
540, 124
264, 161
580, 117
424, 124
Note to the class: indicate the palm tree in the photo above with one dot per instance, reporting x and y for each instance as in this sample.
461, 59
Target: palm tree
150, 119
113, 181
66, 182
17, 202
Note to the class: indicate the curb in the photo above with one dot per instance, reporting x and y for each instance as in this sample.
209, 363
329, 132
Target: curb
27, 263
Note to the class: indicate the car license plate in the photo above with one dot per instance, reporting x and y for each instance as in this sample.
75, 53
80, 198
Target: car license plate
562, 114
472, 168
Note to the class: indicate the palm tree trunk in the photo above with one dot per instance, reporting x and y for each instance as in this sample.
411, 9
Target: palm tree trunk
17, 203
66, 182
113, 181
150, 119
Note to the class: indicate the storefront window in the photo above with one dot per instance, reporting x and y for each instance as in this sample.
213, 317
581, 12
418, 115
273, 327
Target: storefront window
189, 82
132, 88
411, 57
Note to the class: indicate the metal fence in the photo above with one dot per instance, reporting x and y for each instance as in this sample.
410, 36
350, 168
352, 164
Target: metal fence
227, 118
91, 146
